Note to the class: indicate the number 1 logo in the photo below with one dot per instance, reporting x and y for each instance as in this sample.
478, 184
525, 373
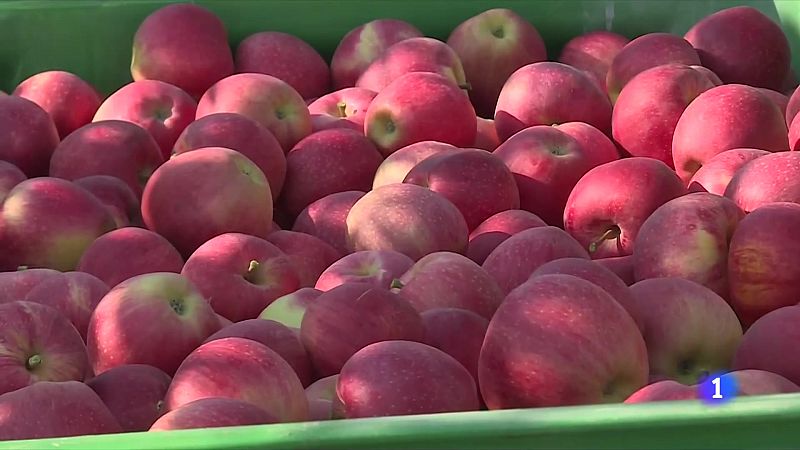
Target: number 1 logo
718, 388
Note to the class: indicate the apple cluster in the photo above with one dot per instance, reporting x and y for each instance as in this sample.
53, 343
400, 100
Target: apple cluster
255, 236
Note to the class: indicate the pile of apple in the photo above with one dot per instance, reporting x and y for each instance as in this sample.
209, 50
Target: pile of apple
472, 226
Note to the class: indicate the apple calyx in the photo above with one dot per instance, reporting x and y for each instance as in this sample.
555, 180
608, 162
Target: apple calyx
396, 284
177, 305
341, 108
33, 362
465, 86
612, 233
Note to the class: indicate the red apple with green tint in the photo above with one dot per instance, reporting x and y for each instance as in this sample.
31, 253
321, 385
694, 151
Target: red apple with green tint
10, 176
118, 198
290, 309
767, 179
73, 294
308, 255
377, 268
326, 218
345, 108
457, 332
134, 394
769, 342
213, 413
323, 403
15, 285
716, 173
496, 229
29, 134
396, 166
593, 52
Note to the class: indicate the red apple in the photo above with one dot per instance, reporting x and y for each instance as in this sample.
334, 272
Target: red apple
486, 137
290, 309
377, 268
10, 176
15, 285
457, 332
793, 107
622, 266
155, 319
118, 198
396, 166
593, 52
597, 147
664, 390
134, 394
308, 255
325, 218
769, 343
213, 413
496, 229
29, 134
182, 44
715, 175
345, 108
70, 101
780, 100
323, 403
767, 179
794, 135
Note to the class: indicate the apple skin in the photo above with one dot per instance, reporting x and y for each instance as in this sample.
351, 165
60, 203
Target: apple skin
378, 268
593, 53
240, 274
622, 266
597, 147
396, 166
127, 252
675, 314
723, 118
794, 135
162, 109
326, 218
54, 409
15, 285
240, 369
349, 317
70, 101
716, 173
457, 332
766, 179
560, 340
263, 98
397, 377
240, 133
155, 319
420, 106
760, 255
290, 309
768, 341
664, 390
183, 44
449, 280
645, 52
363, 45
516, 258
40, 344
477, 182
74, 294
780, 100
742, 45
535, 95
417, 222
118, 198
213, 413
49, 222
277, 337
496, 229
134, 394
793, 107
285, 57
10, 176
204, 193
609, 204
34, 135
345, 108
111, 147
688, 238
491, 46
308, 255
323, 403
649, 107
337, 160
486, 137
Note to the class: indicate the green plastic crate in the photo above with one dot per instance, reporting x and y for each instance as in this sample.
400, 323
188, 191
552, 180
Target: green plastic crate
92, 38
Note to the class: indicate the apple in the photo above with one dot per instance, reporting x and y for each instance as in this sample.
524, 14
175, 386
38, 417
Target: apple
486, 137
723, 118
162, 109
535, 95
742, 45
155, 319
10, 176
715, 175
406, 218
649, 107
491, 46
240, 275
285, 57
345, 108
378, 268
780, 100
593, 52
213, 413
323, 403
477, 182
496, 229
277, 337
688, 238
15, 285
457, 332
597, 147
349, 317
49, 222
54, 409
664, 390
263, 98
794, 135
134, 394
363, 45
449, 280
622, 266
767, 179
396, 166
793, 107
127, 252
290, 309
70, 101
183, 44
240, 133
118, 198
325, 218
337, 160
675, 313
309, 255
645, 52
609, 204
111, 147
397, 377
204, 193
559, 340
240, 369
768, 343
29, 134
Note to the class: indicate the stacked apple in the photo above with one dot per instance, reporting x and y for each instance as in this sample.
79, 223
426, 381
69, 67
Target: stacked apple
255, 236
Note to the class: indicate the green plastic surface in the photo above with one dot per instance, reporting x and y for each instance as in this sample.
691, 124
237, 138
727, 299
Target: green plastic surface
93, 39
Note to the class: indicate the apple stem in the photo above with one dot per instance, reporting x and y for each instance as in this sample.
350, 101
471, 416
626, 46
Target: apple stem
396, 284
253, 266
33, 362
611, 233
342, 109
